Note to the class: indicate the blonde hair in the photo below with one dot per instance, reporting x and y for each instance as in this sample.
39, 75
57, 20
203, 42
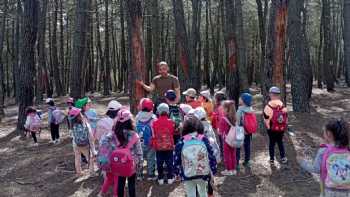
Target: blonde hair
230, 109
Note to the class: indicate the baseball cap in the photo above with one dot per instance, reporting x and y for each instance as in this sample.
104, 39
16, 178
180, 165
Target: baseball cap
190, 92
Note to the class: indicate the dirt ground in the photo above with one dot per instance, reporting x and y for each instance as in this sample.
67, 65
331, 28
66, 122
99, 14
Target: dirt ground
48, 170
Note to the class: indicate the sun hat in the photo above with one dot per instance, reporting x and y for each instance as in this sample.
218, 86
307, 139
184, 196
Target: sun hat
275, 90
200, 113
185, 108
74, 112
124, 115
206, 94
114, 105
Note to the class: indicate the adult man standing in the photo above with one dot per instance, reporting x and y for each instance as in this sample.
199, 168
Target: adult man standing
162, 83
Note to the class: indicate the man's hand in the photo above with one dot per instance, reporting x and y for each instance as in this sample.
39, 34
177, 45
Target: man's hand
141, 83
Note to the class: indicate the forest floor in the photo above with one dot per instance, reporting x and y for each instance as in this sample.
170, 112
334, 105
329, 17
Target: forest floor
48, 170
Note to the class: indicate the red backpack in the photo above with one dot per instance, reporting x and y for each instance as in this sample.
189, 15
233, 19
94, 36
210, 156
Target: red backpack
163, 138
250, 123
122, 161
279, 119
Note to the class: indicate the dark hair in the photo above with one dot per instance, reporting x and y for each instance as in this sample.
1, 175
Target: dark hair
219, 98
146, 110
30, 110
121, 130
340, 132
192, 124
112, 113
229, 107
51, 103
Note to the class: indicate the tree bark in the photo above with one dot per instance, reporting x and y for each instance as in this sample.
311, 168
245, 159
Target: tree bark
2, 76
137, 52
79, 47
275, 55
301, 78
346, 34
107, 70
27, 68
195, 39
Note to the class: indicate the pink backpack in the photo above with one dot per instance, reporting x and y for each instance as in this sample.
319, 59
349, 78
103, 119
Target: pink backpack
58, 116
335, 168
122, 161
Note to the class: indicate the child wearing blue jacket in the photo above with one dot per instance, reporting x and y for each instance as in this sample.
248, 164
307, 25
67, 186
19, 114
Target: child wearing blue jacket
194, 159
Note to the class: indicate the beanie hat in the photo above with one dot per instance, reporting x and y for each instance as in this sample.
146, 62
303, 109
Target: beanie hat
124, 115
163, 108
171, 95
247, 99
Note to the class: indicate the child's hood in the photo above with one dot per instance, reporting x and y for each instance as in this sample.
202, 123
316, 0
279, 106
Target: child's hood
245, 109
144, 116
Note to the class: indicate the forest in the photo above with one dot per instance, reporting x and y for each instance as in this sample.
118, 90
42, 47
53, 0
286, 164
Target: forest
77, 48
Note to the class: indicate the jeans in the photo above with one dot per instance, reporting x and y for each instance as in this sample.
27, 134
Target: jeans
110, 180
194, 185
131, 185
167, 158
246, 144
276, 137
55, 131
150, 156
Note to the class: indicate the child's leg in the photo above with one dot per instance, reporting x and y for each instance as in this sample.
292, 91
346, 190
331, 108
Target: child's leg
34, 137
160, 161
115, 185
86, 153
272, 143
210, 187
202, 187
107, 183
121, 185
169, 163
221, 144
52, 129
131, 186
281, 145
229, 157
77, 159
190, 188
238, 155
247, 143
151, 162
57, 131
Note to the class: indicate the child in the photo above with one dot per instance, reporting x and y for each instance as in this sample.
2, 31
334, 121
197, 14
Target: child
224, 127
33, 123
174, 113
190, 96
127, 137
105, 125
163, 142
332, 160
185, 109
207, 104
82, 140
194, 159
275, 119
54, 127
206, 129
244, 112
144, 122
217, 115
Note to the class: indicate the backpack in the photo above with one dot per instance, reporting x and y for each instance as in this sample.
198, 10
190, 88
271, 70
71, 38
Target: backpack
35, 124
279, 119
250, 123
145, 131
58, 116
235, 136
81, 135
106, 147
163, 138
122, 161
194, 157
104, 126
210, 134
335, 168
175, 115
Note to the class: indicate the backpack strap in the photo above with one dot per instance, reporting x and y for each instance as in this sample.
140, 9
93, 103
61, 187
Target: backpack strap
228, 122
132, 141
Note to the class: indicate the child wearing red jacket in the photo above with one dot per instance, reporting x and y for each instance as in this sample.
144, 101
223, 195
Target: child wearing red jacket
163, 143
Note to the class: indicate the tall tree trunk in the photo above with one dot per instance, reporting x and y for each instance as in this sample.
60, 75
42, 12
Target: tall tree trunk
56, 64
156, 32
346, 35
2, 76
107, 70
186, 75
79, 47
275, 55
42, 75
61, 51
27, 68
327, 56
195, 39
124, 62
17, 40
137, 51
301, 70
206, 73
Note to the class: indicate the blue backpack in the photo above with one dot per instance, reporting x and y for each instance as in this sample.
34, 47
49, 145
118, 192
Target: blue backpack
81, 135
145, 131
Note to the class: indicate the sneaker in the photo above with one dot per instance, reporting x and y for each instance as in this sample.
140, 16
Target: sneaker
151, 178
233, 172
284, 160
161, 181
229, 172
272, 162
58, 141
238, 168
246, 164
170, 181
36, 144
139, 178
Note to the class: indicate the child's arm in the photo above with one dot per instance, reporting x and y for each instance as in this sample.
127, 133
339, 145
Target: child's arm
212, 159
315, 166
92, 140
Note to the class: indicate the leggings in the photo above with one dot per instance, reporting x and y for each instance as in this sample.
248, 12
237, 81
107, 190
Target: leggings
55, 131
131, 185
34, 136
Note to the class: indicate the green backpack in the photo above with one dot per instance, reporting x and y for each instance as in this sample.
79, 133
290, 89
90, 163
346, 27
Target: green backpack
175, 115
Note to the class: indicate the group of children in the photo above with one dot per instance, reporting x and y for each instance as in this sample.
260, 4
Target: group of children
184, 139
